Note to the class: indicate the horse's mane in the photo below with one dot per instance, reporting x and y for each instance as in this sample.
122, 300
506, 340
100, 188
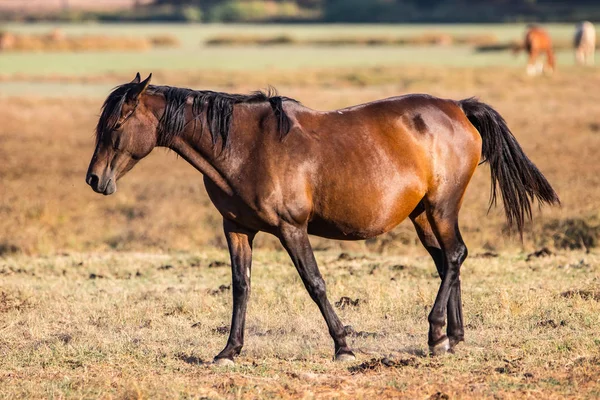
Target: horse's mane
217, 106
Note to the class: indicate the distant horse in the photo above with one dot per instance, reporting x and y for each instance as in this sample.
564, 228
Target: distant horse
538, 41
585, 43
273, 165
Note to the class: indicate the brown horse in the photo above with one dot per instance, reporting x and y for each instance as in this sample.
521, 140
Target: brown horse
538, 41
273, 165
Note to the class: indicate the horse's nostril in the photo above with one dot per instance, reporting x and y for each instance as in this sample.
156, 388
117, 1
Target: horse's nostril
92, 180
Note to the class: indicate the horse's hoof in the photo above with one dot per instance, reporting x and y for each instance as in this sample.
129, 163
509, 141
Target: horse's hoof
345, 357
454, 342
441, 348
223, 362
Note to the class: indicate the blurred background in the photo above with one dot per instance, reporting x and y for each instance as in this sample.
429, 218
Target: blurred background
396, 11
60, 58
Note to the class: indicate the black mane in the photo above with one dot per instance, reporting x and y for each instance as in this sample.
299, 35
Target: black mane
218, 107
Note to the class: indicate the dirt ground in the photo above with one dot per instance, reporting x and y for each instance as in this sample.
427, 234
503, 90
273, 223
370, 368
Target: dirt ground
139, 325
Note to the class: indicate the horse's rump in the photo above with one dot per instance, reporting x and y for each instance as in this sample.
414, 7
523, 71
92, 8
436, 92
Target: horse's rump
585, 35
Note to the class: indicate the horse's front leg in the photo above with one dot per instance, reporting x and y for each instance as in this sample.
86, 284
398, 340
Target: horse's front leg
239, 241
295, 240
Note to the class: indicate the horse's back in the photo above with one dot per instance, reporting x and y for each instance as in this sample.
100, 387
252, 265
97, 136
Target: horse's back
414, 118
537, 38
402, 127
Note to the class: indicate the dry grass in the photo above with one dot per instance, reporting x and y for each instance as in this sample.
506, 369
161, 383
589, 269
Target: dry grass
58, 42
164, 41
137, 325
121, 297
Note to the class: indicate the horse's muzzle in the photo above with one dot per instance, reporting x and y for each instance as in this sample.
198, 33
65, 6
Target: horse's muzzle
104, 186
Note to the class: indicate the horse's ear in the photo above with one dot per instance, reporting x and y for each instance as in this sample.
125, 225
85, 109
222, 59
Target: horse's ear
137, 78
140, 88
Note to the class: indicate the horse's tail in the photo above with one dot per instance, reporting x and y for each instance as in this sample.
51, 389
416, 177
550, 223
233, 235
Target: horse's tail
519, 179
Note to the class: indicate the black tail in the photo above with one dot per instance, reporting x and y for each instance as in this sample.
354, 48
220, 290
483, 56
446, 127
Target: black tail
519, 179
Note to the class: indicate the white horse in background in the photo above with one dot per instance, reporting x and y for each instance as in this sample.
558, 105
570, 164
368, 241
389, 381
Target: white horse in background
585, 43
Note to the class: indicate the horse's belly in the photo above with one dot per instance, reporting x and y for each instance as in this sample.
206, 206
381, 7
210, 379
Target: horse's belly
365, 217
333, 230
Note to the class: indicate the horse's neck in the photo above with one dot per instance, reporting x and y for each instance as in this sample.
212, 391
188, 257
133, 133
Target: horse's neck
202, 159
220, 165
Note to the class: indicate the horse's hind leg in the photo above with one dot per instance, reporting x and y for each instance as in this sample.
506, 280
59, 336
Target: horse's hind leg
580, 56
441, 208
455, 329
549, 66
531, 63
446, 229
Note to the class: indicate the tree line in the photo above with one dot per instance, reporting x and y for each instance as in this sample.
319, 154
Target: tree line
394, 10
365, 11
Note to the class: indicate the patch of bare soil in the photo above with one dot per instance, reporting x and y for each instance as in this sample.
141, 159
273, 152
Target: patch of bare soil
573, 233
380, 363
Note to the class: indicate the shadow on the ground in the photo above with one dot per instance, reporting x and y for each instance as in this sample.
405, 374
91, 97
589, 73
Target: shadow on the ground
191, 359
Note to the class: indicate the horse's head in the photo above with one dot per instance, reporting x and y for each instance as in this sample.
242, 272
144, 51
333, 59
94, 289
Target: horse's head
126, 133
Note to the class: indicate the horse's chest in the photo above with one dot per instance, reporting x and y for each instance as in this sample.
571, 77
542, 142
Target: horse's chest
235, 208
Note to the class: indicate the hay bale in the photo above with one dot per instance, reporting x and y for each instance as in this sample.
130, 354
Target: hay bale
57, 41
7, 41
57, 34
430, 39
477, 39
164, 41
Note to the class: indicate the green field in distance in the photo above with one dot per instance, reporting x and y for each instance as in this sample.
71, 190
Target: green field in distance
193, 55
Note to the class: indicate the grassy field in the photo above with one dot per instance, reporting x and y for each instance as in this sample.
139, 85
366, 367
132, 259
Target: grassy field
192, 35
127, 296
192, 55
138, 325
